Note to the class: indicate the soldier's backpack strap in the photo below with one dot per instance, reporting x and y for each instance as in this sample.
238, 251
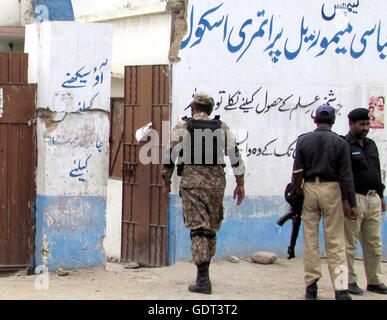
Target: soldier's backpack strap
207, 149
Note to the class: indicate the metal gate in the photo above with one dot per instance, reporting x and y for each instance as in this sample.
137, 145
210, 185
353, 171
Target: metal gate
144, 213
116, 137
17, 163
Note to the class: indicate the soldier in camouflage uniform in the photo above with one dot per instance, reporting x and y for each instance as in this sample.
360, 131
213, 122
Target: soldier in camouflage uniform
202, 189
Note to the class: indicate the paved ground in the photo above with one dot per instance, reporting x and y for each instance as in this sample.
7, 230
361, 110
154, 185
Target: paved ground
245, 280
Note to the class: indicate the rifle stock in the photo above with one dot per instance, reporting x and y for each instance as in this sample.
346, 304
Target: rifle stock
286, 217
296, 214
293, 238
295, 200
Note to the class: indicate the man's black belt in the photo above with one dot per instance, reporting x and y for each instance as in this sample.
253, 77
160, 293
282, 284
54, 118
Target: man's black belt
313, 179
366, 192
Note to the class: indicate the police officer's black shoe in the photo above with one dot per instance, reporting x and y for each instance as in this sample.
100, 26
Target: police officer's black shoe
353, 288
342, 295
311, 291
201, 287
203, 283
378, 288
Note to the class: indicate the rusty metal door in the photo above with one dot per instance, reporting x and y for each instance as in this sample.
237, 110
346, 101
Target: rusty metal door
13, 67
17, 175
144, 214
17, 162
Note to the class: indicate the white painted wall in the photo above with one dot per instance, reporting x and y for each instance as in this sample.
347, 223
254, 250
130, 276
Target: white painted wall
73, 155
143, 40
10, 13
86, 7
82, 66
230, 52
16, 13
141, 36
112, 242
71, 63
129, 33
74, 79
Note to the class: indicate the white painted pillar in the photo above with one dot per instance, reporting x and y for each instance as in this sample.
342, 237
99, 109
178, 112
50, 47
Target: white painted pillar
71, 62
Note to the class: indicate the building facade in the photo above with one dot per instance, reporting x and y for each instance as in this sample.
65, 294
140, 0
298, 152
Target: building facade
268, 65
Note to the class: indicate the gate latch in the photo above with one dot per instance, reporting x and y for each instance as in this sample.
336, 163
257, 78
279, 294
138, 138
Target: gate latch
31, 121
128, 170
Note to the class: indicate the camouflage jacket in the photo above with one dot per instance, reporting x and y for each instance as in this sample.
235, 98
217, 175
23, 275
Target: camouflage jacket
203, 176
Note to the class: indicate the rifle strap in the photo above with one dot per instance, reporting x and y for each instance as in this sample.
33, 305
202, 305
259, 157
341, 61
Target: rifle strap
202, 233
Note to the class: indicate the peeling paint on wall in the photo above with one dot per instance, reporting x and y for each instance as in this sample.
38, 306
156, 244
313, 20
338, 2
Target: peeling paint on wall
179, 27
69, 231
45, 251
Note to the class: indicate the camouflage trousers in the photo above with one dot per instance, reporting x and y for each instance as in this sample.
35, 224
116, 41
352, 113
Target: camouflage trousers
203, 215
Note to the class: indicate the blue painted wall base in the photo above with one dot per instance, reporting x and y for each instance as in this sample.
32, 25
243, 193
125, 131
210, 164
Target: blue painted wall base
246, 229
70, 231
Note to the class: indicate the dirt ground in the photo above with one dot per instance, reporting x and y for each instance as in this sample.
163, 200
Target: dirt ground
245, 280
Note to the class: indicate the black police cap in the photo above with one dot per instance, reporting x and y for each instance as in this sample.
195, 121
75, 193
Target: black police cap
325, 111
359, 114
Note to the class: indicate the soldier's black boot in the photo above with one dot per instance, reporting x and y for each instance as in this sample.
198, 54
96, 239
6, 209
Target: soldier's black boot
203, 283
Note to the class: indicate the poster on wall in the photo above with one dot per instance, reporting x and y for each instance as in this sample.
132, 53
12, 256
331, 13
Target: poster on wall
376, 108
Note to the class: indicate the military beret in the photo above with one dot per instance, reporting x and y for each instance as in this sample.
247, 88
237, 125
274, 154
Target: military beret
203, 98
359, 114
325, 111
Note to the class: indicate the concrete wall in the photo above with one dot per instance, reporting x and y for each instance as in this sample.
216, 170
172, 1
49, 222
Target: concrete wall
112, 242
71, 62
117, 87
87, 7
141, 36
269, 65
129, 47
14, 14
18, 13
131, 25
10, 13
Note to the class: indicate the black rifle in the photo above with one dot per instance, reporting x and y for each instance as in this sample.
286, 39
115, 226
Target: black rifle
295, 202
